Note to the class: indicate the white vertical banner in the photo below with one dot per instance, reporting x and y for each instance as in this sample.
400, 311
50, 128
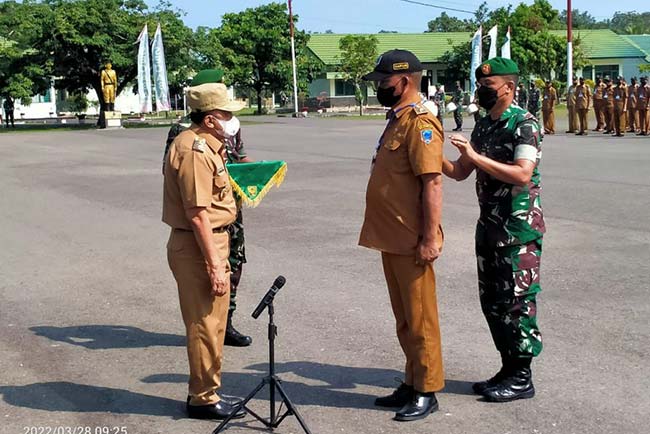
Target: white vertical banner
144, 72
505, 48
161, 86
477, 58
493, 42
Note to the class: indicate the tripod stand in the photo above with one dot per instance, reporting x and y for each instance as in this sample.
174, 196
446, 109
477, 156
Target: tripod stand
274, 383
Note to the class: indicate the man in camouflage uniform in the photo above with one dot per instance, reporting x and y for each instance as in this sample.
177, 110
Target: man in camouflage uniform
505, 150
522, 96
533, 100
235, 153
458, 113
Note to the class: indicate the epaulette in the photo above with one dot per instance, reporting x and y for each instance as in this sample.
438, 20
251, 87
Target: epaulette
420, 109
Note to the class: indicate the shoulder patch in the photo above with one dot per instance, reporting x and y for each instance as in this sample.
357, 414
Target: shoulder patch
427, 136
420, 109
199, 144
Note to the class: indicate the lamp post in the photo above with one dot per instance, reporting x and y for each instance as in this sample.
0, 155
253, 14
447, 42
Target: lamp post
293, 61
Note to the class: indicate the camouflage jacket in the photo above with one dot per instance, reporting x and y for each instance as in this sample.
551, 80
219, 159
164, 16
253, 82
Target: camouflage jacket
533, 99
510, 214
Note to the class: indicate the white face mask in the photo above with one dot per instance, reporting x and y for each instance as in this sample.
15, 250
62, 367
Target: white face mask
229, 128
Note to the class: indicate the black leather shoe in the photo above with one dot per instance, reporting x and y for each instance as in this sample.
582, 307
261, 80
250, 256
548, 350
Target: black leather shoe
400, 397
422, 405
220, 410
482, 386
232, 400
234, 338
518, 385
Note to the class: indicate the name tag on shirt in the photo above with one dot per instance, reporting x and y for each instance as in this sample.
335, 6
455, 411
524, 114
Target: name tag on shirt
617, 97
580, 95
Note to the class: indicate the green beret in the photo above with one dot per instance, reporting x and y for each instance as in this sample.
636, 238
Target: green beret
207, 76
496, 66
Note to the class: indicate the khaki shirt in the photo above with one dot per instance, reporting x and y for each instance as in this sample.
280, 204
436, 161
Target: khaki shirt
571, 96
643, 97
608, 96
620, 96
196, 176
583, 96
599, 90
549, 99
410, 146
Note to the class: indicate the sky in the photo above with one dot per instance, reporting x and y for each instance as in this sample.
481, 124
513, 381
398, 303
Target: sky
367, 16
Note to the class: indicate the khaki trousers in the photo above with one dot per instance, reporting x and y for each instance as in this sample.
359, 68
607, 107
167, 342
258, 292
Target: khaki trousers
600, 115
620, 118
632, 119
204, 315
644, 119
412, 290
582, 117
549, 121
609, 117
573, 118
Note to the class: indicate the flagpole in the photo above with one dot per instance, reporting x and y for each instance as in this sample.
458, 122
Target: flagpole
569, 44
293, 61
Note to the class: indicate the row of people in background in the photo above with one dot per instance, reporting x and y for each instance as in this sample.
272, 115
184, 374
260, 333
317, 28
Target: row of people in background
618, 107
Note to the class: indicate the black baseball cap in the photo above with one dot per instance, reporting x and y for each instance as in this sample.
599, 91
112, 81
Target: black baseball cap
394, 62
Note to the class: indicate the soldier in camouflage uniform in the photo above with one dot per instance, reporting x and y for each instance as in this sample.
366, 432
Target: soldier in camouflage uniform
505, 150
533, 100
235, 153
458, 113
522, 96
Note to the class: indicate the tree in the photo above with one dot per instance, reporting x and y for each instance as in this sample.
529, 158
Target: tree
631, 23
85, 34
582, 20
445, 23
358, 54
25, 67
536, 50
257, 50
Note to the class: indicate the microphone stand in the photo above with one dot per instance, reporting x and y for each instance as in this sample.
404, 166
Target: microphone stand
274, 383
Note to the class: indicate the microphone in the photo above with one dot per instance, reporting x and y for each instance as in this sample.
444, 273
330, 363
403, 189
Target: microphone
270, 295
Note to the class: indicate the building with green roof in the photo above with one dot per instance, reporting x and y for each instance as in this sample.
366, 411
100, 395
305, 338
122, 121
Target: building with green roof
607, 52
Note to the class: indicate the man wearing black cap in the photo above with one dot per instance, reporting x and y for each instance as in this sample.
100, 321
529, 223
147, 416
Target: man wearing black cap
505, 151
402, 221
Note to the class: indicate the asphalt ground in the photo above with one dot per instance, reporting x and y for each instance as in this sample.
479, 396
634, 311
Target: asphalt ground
92, 339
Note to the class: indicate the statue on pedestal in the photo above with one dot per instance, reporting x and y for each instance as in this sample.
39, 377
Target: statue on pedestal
109, 86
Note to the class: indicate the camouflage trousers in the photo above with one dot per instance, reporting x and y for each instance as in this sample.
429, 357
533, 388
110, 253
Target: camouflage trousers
458, 117
237, 257
508, 282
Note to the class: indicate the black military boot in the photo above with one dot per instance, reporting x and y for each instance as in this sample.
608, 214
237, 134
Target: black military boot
233, 337
518, 384
482, 386
400, 397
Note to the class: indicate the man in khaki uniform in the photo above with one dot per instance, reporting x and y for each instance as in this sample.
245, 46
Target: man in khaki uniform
608, 106
583, 98
198, 204
620, 107
402, 221
643, 106
571, 106
549, 100
632, 114
599, 91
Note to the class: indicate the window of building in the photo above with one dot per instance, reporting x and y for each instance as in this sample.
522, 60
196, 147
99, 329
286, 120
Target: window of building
606, 70
46, 97
344, 88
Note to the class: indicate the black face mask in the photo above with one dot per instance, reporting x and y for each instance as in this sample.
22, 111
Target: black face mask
385, 96
487, 97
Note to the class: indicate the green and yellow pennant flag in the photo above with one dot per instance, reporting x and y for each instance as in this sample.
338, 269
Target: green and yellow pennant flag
251, 181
